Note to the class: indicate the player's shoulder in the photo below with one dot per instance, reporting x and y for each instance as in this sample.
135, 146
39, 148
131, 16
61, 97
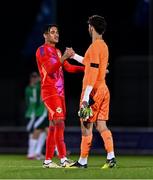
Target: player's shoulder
40, 49
93, 46
99, 44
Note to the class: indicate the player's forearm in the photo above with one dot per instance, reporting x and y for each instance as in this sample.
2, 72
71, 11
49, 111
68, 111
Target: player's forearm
78, 58
62, 59
90, 80
87, 93
72, 68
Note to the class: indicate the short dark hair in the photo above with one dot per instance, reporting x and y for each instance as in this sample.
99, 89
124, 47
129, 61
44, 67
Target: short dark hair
47, 27
98, 22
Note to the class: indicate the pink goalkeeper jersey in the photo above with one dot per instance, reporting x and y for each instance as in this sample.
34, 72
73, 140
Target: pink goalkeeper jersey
51, 72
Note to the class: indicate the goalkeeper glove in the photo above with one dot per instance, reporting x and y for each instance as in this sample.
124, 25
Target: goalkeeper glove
85, 111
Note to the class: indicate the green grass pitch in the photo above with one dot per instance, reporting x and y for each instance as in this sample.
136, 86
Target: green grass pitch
128, 167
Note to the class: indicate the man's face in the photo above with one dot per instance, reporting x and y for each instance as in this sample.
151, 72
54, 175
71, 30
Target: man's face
53, 35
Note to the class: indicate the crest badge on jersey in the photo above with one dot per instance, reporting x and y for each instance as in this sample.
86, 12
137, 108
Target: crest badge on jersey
58, 109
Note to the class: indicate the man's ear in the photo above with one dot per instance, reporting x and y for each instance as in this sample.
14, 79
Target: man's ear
92, 28
45, 35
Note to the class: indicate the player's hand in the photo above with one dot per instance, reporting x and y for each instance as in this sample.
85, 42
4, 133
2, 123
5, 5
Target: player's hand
70, 52
85, 111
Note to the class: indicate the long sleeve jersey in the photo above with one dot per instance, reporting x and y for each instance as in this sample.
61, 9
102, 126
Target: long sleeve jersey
51, 70
95, 61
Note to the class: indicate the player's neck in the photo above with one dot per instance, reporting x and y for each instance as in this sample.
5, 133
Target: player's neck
96, 37
50, 44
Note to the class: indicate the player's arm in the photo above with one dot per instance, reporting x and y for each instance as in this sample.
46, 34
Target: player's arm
92, 69
91, 73
74, 55
69, 53
47, 61
72, 68
78, 58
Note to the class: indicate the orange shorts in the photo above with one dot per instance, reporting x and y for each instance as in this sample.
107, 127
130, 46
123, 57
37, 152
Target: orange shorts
56, 107
100, 107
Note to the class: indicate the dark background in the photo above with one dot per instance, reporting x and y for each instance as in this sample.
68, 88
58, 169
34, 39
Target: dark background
128, 36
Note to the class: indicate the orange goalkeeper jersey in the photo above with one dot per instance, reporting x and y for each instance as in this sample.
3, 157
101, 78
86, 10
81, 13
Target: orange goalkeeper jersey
95, 61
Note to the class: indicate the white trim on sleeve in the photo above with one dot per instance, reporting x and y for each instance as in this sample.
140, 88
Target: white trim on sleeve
78, 58
87, 93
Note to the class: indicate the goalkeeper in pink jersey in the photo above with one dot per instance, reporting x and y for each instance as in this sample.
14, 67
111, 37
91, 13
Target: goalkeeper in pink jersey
51, 64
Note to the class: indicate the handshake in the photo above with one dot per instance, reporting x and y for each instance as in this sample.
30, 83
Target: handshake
69, 53
85, 111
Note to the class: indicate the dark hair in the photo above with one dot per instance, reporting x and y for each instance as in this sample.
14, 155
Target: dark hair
98, 22
47, 27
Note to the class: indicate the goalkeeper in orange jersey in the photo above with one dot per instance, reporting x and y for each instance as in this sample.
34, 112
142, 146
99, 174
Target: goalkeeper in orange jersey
95, 96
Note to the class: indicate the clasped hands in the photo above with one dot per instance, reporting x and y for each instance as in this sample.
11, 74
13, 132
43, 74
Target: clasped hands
69, 53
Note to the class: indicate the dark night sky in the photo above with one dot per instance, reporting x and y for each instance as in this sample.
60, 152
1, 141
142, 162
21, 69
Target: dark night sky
19, 17
122, 34
17, 20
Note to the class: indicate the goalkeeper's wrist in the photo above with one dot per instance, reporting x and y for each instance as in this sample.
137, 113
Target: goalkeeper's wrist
78, 58
84, 104
87, 93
